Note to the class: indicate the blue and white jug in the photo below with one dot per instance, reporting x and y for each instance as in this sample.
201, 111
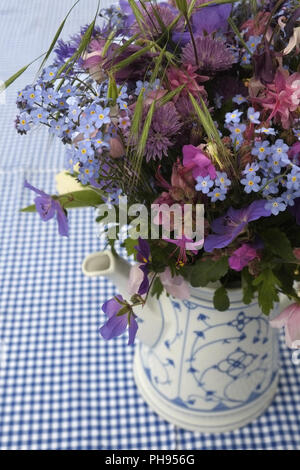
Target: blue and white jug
200, 369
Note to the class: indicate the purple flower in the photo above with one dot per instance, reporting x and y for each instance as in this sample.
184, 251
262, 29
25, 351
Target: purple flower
241, 257
163, 130
144, 258
116, 325
48, 207
209, 19
228, 227
213, 54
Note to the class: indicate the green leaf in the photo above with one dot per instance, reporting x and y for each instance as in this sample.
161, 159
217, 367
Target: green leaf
248, 289
208, 271
278, 243
267, 284
157, 288
221, 299
129, 245
84, 198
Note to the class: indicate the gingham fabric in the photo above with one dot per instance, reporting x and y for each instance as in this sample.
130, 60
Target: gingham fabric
61, 385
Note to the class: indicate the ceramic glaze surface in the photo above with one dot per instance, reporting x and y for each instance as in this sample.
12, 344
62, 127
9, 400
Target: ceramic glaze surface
199, 368
210, 361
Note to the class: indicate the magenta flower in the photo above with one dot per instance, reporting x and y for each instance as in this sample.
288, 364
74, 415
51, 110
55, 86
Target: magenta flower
228, 227
48, 207
195, 160
242, 256
116, 325
290, 319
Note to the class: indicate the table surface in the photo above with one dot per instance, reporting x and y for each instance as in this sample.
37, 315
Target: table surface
61, 385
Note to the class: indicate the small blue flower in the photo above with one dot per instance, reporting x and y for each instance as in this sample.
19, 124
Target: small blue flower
222, 180
297, 133
50, 96
62, 103
86, 173
49, 73
86, 127
289, 197
276, 205
84, 150
58, 127
102, 116
141, 86
250, 169
251, 183
265, 130
23, 123
39, 115
253, 116
237, 130
253, 42
155, 85
270, 187
239, 99
71, 159
218, 194
68, 90
245, 59
100, 141
74, 112
281, 150
234, 117
293, 179
32, 95
276, 163
204, 183
261, 149
123, 96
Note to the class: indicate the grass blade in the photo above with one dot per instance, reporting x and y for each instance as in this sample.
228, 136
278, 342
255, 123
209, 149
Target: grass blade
56, 37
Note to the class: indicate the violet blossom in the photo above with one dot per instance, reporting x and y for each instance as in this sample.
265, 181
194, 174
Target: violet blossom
47, 207
144, 258
228, 227
208, 19
116, 325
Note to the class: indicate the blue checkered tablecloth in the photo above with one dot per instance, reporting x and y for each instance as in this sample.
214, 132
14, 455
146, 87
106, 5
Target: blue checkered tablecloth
61, 385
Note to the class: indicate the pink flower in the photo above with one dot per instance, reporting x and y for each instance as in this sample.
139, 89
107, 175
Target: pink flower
242, 256
176, 285
136, 278
186, 77
195, 160
290, 319
282, 98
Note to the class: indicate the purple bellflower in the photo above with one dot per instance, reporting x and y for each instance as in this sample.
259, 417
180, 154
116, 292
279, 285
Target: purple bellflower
48, 207
116, 325
228, 227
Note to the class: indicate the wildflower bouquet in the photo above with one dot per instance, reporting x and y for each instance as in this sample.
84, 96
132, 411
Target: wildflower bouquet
186, 102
